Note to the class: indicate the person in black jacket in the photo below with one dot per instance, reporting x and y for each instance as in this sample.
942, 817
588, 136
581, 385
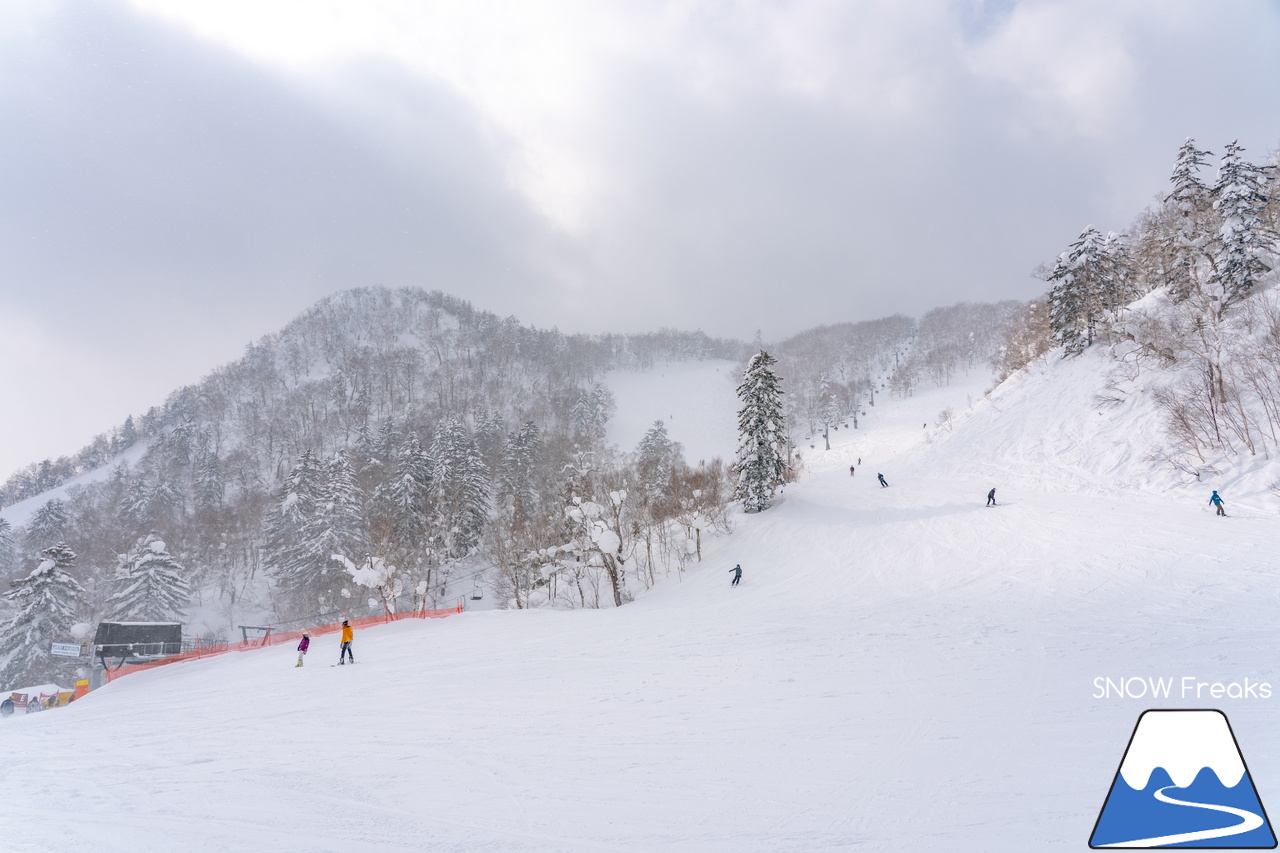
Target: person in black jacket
991, 498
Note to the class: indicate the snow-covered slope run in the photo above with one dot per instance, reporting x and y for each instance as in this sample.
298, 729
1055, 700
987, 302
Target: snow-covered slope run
901, 668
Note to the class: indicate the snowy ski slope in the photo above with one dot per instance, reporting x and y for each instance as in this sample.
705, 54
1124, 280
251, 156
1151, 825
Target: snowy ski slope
901, 669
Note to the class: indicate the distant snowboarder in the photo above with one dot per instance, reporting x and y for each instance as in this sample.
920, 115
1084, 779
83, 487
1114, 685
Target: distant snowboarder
991, 498
1217, 501
859, 460
883, 484
302, 648
737, 574
6, 708
348, 634
850, 470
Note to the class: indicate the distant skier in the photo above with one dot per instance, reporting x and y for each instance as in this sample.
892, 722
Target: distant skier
859, 460
737, 574
991, 498
850, 470
6, 708
1217, 501
883, 484
348, 634
302, 648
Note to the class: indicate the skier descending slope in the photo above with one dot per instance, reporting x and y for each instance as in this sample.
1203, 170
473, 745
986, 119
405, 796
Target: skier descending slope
303, 645
883, 484
1217, 501
737, 574
991, 498
348, 634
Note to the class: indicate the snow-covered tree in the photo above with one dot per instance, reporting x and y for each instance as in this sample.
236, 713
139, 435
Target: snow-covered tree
516, 478
150, 585
761, 462
656, 455
6, 546
46, 603
1243, 248
1189, 201
286, 557
402, 507
336, 527
460, 488
591, 415
47, 525
208, 484
1090, 284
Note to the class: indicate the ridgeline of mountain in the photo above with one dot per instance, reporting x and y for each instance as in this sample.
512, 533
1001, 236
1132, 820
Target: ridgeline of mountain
430, 442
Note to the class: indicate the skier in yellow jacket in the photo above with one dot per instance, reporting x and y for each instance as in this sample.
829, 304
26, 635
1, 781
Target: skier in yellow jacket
348, 633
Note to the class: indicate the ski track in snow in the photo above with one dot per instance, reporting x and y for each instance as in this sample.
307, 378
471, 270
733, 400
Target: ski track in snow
1248, 822
901, 669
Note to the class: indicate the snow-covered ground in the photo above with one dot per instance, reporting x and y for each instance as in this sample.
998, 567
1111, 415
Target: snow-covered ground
690, 398
901, 669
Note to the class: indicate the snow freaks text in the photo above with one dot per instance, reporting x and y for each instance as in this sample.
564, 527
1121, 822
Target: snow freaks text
1186, 687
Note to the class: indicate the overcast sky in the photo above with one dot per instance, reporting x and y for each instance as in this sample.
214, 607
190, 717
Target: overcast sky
180, 178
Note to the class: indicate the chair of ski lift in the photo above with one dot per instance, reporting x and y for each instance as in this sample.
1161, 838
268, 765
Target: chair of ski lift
476, 592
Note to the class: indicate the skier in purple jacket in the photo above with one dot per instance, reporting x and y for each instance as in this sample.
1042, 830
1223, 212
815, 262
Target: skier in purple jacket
302, 648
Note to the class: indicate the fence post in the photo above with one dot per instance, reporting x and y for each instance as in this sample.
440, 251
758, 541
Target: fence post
197, 647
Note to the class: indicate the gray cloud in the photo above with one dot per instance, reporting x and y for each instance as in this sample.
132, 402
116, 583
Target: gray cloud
164, 200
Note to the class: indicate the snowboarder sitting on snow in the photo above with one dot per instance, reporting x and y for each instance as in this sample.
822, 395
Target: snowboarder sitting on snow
348, 634
302, 647
883, 484
991, 498
737, 575
1217, 501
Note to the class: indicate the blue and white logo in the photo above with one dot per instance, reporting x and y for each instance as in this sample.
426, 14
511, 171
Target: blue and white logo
1183, 783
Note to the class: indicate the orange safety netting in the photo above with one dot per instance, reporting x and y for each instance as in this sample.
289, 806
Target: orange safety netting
273, 639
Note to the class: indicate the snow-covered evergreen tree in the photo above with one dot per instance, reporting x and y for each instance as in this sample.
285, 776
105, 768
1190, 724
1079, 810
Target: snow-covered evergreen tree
287, 557
1189, 200
336, 527
46, 603
1243, 249
460, 486
150, 585
655, 457
208, 485
6, 546
591, 415
516, 479
1088, 280
47, 526
761, 462
402, 507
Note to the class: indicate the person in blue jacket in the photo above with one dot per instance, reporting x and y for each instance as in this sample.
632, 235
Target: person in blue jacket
1217, 501
883, 484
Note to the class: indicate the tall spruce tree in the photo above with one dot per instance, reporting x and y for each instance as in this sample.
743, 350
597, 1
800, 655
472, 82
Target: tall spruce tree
150, 585
1190, 203
288, 559
46, 604
516, 478
655, 458
761, 463
461, 487
1243, 247
402, 507
1085, 285
46, 526
336, 527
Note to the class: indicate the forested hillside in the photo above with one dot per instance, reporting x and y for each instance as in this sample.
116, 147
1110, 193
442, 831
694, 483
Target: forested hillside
425, 442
